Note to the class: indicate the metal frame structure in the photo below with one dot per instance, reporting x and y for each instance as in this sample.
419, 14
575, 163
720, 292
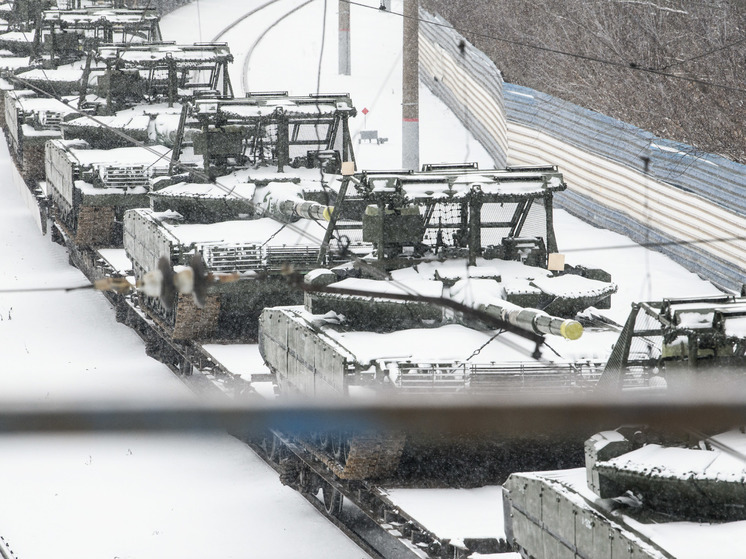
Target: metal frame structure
167, 68
65, 34
237, 129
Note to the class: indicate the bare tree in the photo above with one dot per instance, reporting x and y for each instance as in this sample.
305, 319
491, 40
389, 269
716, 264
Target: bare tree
646, 62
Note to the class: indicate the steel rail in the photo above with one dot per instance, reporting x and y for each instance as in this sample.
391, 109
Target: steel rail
247, 60
242, 18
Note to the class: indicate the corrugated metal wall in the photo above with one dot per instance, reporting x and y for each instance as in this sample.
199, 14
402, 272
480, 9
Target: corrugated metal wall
684, 198
466, 81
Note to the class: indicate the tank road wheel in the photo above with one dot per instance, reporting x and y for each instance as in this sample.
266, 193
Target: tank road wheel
332, 500
340, 447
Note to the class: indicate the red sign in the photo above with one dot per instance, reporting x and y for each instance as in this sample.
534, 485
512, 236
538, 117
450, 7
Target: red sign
365, 111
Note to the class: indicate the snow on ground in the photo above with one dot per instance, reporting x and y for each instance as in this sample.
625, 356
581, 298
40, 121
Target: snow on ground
641, 274
453, 513
206, 496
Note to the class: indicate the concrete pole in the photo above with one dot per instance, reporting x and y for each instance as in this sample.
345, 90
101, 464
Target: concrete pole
344, 38
410, 88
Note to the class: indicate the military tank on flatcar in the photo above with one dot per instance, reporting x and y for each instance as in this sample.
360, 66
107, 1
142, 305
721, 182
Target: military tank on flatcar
480, 239
138, 91
638, 476
92, 188
268, 155
92, 180
57, 67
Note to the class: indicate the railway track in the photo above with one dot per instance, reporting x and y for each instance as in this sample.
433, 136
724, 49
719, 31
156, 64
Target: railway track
361, 509
264, 7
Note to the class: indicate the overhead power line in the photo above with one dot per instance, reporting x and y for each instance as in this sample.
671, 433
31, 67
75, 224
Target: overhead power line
632, 66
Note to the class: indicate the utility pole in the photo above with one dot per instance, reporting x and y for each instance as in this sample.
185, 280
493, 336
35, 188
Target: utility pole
410, 87
344, 38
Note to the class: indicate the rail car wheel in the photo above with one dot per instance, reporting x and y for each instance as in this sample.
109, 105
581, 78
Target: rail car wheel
308, 482
325, 440
332, 500
340, 447
272, 446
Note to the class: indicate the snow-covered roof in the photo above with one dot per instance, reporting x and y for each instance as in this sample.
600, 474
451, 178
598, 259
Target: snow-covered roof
36, 104
446, 344
249, 111
207, 190
14, 62
95, 15
492, 183
654, 460
423, 288
18, 36
66, 74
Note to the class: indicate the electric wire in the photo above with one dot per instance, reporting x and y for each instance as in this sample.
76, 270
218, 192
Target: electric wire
625, 65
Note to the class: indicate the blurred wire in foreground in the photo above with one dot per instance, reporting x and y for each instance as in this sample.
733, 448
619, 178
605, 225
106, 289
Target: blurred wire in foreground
517, 415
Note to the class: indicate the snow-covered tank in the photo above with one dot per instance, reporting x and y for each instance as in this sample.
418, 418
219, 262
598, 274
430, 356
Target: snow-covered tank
466, 255
642, 487
32, 120
263, 216
259, 250
91, 188
638, 494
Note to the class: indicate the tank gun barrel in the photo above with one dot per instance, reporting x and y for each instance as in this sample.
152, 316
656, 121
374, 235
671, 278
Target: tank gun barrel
537, 321
305, 209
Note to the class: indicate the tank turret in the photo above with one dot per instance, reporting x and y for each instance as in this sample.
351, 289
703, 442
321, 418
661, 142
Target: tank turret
640, 489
